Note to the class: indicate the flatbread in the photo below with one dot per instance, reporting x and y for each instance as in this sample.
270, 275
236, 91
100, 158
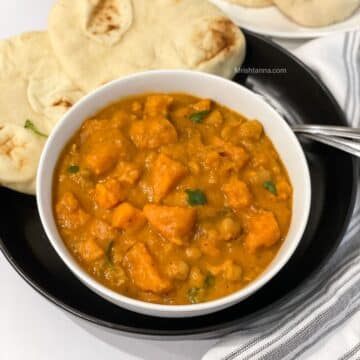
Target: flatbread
316, 13
33, 87
252, 3
20, 151
97, 41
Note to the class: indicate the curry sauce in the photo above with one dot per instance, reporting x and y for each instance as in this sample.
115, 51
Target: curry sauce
172, 199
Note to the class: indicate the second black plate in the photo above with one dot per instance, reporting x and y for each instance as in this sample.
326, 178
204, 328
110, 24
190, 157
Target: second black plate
301, 98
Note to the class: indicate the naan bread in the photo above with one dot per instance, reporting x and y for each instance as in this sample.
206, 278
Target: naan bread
252, 3
33, 87
97, 41
315, 13
20, 151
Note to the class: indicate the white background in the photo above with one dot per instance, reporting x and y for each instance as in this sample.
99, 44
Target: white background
30, 327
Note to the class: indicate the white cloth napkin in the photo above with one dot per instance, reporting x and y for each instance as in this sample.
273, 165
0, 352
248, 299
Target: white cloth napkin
321, 320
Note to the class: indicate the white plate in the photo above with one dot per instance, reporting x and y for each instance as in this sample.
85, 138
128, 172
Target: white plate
271, 22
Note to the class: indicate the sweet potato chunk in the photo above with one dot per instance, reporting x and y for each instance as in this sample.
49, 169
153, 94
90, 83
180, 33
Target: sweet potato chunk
165, 175
143, 270
235, 153
109, 193
237, 195
126, 216
101, 231
263, 231
89, 250
156, 105
69, 212
188, 110
120, 119
153, 133
174, 223
95, 128
250, 130
127, 172
91, 126
202, 105
215, 118
229, 270
101, 159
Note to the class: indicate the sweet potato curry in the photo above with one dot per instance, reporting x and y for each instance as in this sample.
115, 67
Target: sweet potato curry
171, 199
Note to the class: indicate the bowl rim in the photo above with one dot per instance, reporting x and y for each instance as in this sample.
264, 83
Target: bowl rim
146, 307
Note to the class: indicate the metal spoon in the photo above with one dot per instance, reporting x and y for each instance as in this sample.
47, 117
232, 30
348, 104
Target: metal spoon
335, 136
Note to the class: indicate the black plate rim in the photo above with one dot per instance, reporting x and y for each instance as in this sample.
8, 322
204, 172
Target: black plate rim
229, 326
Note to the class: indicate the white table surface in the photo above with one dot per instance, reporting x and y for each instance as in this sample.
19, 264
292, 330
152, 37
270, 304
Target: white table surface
31, 328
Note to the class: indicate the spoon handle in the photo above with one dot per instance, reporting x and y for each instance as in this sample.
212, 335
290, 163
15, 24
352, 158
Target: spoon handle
335, 131
350, 147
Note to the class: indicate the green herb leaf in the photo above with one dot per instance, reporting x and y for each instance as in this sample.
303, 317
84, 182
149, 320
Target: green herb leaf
198, 117
29, 125
108, 252
196, 197
209, 281
270, 186
193, 294
73, 169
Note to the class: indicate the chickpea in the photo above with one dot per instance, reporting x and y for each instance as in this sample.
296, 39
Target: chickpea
196, 277
178, 270
136, 107
116, 275
260, 160
276, 170
283, 188
257, 177
208, 245
194, 167
231, 271
229, 229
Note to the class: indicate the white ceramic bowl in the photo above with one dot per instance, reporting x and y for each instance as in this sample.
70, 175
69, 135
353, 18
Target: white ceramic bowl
203, 85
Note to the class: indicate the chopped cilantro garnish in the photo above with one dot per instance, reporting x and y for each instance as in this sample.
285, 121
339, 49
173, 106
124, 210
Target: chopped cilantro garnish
198, 117
196, 197
270, 186
193, 294
73, 169
209, 281
108, 253
29, 125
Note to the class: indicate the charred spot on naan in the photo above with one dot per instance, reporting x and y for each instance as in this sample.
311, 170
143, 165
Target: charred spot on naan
63, 102
109, 20
220, 37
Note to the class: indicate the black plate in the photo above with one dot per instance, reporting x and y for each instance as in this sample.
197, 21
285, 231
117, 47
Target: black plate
301, 98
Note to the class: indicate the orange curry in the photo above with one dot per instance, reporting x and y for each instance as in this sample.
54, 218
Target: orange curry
172, 199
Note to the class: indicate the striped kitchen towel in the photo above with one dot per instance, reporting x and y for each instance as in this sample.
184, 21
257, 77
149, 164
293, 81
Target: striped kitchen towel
321, 320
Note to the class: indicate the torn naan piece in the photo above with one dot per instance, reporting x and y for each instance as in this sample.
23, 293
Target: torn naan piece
97, 41
35, 94
20, 151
